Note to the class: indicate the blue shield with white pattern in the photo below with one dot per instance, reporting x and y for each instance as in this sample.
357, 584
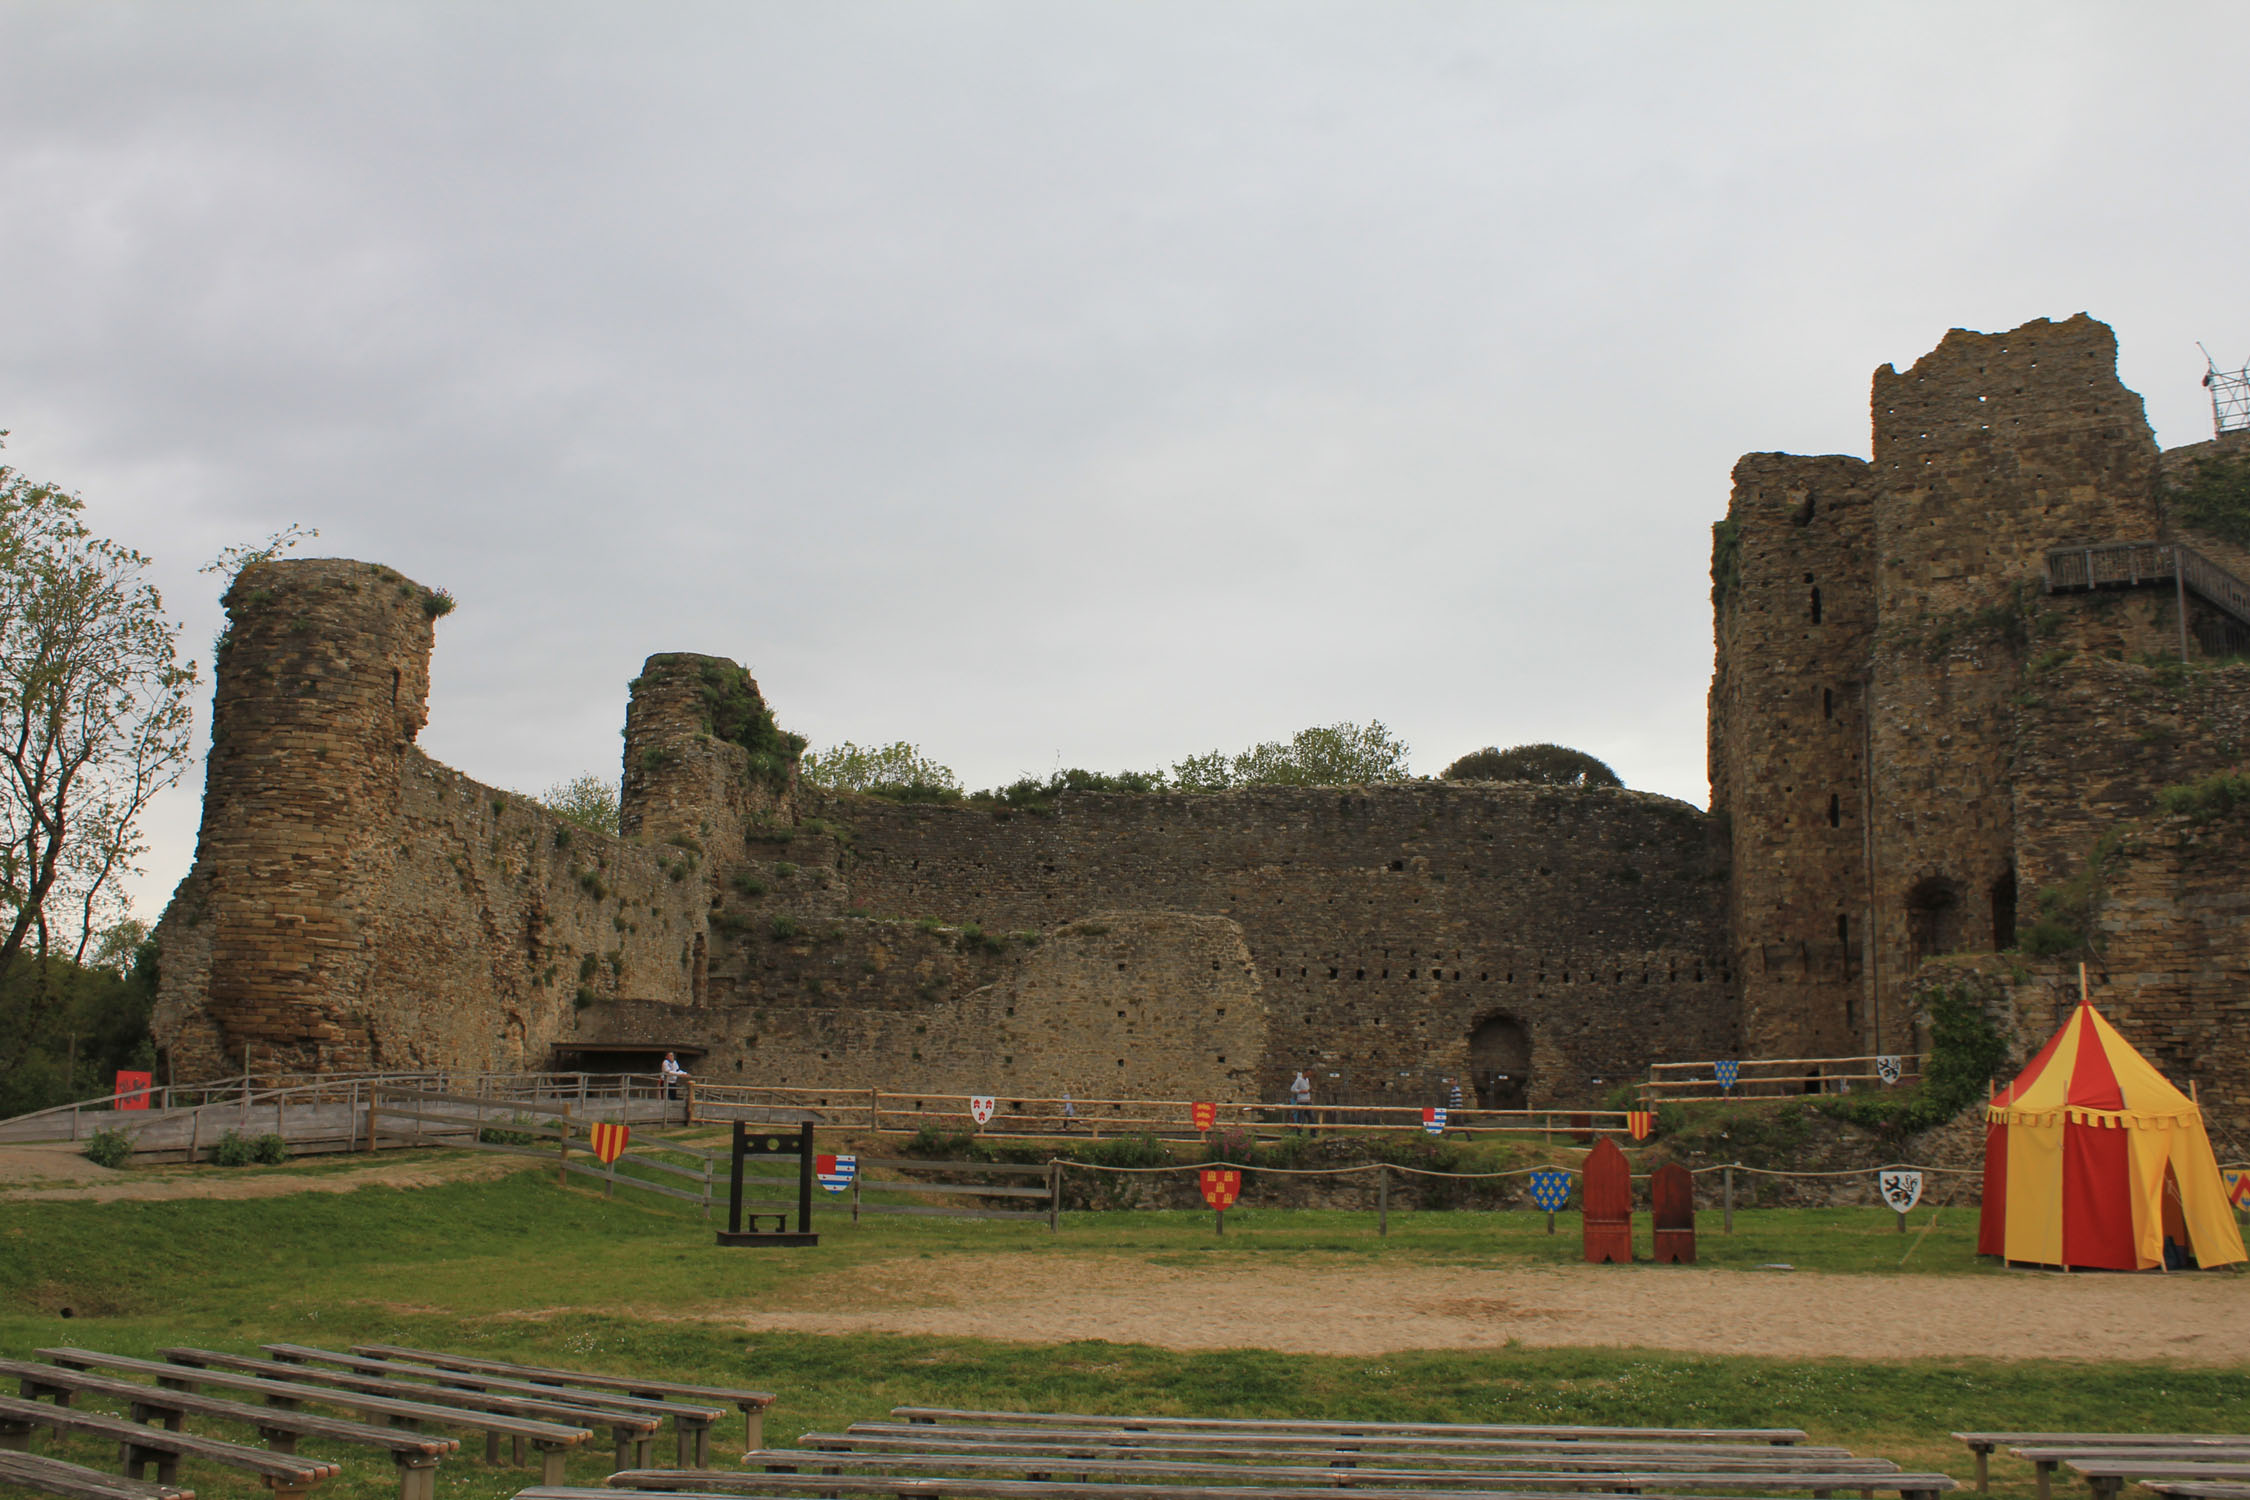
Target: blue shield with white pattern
1729, 1070
1550, 1188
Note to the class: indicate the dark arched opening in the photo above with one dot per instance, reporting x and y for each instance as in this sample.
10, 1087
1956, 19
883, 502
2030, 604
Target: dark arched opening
1933, 917
2004, 910
1500, 1063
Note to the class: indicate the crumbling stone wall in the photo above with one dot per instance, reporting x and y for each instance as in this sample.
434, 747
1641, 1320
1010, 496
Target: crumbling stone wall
2006, 730
1386, 924
355, 905
1793, 604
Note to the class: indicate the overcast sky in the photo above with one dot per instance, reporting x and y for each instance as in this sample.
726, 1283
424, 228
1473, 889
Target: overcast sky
1060, 383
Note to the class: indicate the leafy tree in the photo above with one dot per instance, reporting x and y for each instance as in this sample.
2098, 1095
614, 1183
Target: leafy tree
1337, 755
855, 768
589, 801
1546, 765
94, 719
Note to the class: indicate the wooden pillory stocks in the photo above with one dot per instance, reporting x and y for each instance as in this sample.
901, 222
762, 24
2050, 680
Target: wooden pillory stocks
770, 1143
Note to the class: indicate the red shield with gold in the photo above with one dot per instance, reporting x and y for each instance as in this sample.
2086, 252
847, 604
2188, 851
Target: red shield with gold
1640, 1122
1221, 1187
608, 1141
1204, 1115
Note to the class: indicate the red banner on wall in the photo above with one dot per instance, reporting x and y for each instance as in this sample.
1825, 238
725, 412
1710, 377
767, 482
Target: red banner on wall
132, 1089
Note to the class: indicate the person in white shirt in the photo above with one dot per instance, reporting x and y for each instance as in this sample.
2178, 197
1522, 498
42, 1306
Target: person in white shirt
673, 1073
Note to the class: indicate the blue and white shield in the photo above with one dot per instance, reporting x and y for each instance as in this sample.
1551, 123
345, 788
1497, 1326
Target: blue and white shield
1433, 1120
835, 1172
1728, 1071
1550, 1188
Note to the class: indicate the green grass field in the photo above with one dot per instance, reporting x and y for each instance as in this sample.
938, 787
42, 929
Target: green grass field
519, 1269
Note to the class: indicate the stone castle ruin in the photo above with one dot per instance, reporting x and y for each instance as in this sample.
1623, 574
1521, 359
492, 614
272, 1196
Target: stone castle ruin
1952, 685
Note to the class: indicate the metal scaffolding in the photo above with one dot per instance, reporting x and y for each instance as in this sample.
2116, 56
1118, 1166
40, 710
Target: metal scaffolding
2230, 395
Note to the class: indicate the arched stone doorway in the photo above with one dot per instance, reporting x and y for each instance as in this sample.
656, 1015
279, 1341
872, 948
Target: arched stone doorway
1500, 1063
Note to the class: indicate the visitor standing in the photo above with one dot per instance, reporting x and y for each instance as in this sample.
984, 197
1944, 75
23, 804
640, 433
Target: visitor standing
673, 1073
1300, 1099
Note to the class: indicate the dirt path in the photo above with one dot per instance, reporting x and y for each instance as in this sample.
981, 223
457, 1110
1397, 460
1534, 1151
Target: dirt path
59, 1172
1298, 1307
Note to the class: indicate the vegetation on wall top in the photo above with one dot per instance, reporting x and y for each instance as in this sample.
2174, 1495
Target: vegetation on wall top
1542, 764
734, 711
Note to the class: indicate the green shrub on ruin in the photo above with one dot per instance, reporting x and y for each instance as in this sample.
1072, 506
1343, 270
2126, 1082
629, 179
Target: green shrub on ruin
782, 929
2211, 797
2062, 919
108, 1148
734, 711
233, 1150
1966, 1050
1541, 764
2214, 496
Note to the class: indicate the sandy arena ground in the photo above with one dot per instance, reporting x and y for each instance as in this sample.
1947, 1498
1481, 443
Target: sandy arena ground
1302, 1307
59, 1171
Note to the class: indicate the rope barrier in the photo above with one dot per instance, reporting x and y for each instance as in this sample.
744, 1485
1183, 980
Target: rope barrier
1372, 1166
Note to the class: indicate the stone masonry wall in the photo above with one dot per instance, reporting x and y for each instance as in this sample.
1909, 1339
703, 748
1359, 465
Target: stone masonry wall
1386, 924
1794, 613
1988, 451
354, 904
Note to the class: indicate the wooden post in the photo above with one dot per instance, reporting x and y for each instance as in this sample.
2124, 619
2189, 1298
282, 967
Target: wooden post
2179, 597
562, 1160
194, 1132
609, 1184
874, 1109
1727, 1177
373, 1095
1382, 1199
1054, 1197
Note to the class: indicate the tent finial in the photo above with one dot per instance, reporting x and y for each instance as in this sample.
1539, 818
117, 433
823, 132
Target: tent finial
2082, 985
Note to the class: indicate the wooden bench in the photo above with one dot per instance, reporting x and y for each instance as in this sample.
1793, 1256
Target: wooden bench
2196, 1489
691, 1424
627, 1429
934, 1414
551, 1439
141, 1447
52, 1476
1865, 1475
694, 1482
2044, 1461
1337, 1451
1981, 1444
416, 1454
1447, 1464
2106, 1476
752, 1404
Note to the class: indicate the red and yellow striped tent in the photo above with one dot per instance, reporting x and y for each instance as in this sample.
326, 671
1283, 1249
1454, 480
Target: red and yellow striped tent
2092, 1158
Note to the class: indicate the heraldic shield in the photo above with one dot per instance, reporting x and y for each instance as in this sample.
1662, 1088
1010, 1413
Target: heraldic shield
981, 1107
835, 1173
1550, 1188
608, 1141
1220, 1187
1433, 1120
1901, 1190
1640, 1123
1204, 1115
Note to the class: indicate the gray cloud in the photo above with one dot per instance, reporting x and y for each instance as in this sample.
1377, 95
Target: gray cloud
1099, 383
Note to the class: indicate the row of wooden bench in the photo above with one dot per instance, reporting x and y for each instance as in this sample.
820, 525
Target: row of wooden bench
392, 1392
984, 1455
2204, 1465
